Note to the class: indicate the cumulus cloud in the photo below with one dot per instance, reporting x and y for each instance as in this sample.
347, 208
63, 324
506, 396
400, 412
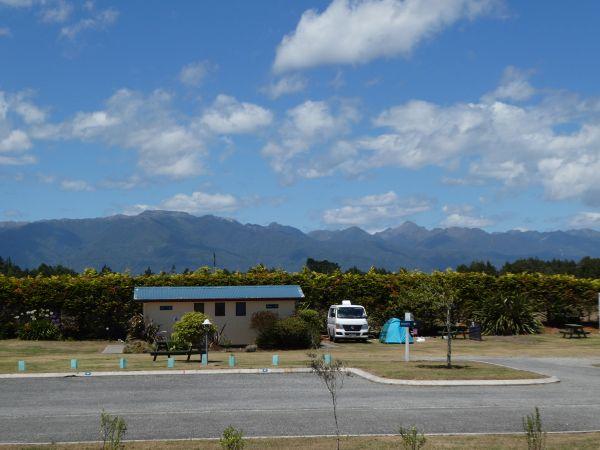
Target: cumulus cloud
166, 143
193, 74
195, 203
587, 219
304, 126
377, 210
230, 116
514, 86
464, 216
550, 139
358, 31
285, 85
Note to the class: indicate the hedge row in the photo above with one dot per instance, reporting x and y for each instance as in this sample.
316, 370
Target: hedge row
99, 306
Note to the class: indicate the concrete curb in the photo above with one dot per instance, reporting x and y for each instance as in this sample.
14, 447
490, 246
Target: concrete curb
523, 382
268, 370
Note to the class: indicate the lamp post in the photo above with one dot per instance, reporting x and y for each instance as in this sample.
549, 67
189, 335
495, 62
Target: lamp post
206, 324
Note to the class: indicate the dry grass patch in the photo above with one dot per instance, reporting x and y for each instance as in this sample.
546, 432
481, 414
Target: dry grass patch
581, 441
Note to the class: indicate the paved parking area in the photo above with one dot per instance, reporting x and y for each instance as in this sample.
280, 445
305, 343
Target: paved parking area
184, 406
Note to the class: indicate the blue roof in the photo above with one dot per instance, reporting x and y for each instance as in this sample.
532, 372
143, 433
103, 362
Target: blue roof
149, 293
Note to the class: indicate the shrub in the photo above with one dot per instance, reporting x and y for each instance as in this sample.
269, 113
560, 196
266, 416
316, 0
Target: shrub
289, 333
140, 329
314, 322
412, 439
189, 329
262, 320
532, 425
112, 430
39, 330
508, 315
232, 439
137, 346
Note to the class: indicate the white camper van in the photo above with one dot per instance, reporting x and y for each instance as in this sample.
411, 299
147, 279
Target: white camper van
347, 321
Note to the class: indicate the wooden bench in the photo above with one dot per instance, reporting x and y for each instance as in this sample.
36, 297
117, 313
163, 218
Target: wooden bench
162, 349
455, 331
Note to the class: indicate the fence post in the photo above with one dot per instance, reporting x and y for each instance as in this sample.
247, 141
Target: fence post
74, 364
327, 357
275, 360
122, 363
21, 366
231, 361
170, 362
204, 359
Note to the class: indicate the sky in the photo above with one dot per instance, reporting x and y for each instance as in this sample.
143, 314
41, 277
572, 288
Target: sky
315, 114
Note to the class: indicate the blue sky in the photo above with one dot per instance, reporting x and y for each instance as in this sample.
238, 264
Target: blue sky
478, 113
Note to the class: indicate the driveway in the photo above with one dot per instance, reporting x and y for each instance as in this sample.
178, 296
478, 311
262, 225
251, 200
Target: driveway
193, 406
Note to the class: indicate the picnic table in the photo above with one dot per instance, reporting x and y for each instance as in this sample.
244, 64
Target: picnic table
161, 348
454, 331
574, 330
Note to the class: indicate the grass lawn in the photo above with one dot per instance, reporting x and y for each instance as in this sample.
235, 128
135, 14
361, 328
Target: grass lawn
381, 359
582, 441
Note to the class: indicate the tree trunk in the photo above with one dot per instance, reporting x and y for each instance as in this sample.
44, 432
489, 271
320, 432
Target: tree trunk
449, 337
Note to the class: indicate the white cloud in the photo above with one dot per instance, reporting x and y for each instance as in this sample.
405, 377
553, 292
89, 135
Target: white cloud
194, 73
306, 125
285, 85
201, 203
375, 210
14, 141
57, 12
100, 20
551, 140
75, 185
358, 31
166, 143
195, 203
464, 216
586, 220
513, 86
229, 116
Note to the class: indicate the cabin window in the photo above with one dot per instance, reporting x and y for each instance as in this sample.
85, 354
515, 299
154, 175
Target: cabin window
219, 309
166, 307
199, 307
240, 308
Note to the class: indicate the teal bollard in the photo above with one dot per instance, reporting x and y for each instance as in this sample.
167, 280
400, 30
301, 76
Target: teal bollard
327, 358
21, 366
74, 364
122, 363
231, 361
204, 359
170, 363
275, 360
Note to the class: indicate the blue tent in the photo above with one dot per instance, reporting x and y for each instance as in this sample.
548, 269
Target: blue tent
393, 333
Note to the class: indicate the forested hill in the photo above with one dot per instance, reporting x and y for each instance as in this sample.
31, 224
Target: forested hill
162, 239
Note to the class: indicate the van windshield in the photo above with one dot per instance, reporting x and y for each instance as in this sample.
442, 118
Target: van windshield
349, 312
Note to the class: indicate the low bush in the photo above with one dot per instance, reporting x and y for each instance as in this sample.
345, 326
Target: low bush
262, 320
507, 315
289, 333
232, 439
315, 324
39, 330
139, 329
137, 346
190, 330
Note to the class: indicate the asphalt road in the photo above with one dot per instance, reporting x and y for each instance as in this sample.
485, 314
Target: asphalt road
192, 406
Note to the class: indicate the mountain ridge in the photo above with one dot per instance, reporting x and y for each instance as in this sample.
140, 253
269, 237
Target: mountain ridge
160, 239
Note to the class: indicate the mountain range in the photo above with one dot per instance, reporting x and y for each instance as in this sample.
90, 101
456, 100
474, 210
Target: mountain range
161, 239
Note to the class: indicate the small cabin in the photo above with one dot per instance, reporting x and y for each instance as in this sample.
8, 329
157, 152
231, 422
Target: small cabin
230, 308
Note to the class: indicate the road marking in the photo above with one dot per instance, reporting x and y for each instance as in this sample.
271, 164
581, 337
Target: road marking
292, 410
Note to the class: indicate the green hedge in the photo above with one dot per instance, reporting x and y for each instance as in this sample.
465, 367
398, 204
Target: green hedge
99, 306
